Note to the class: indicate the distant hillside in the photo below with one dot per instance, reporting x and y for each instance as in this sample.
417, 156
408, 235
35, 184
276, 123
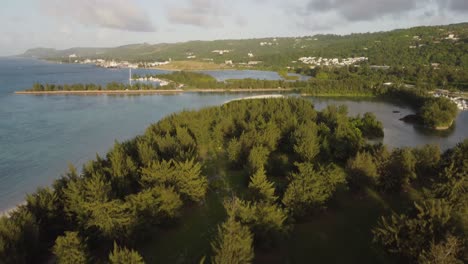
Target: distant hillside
415, 46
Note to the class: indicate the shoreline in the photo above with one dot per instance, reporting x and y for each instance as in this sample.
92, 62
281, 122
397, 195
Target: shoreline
150, 92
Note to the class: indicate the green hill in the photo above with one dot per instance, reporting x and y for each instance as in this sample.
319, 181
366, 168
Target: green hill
413, 46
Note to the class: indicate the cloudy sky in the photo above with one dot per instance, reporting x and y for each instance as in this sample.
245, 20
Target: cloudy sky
100, 23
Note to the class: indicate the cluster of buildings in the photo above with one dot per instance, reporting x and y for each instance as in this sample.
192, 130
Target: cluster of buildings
331, 62
112, 64
109, 64
221, 52
154, 64
250, 63
460, 102
266, 44
450, 36
151, 79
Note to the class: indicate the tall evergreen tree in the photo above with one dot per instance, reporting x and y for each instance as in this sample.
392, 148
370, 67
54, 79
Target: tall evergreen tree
122, 255
70, 249
261, 188
233, 244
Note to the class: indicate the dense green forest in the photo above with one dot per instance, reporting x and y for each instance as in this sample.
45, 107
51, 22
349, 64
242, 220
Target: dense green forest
264, 181
402, 47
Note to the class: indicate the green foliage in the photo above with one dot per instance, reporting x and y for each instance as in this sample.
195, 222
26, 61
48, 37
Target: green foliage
157, 185
447, 252
146, 152
184, 177
264, 219
362, 168
122, 164
452, 181
310, 188
234, 149
438, 112
408, 236
78, 194
427, 160
156, 204
261, 188
399, 170
258, 158
113, 219
19, 235
123, 169
233, 244
306, 142
369, 125
341, 139
192, 79
122, 255
70, 249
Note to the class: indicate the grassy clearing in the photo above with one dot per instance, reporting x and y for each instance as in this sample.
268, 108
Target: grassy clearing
188, 241
345, 228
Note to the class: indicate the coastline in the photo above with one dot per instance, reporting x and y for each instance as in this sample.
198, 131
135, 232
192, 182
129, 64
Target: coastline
150, 92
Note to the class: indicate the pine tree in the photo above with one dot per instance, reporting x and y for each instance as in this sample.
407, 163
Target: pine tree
113, 219
122, 255
305, 140
261, 188
70, 249
310, 189
233, 244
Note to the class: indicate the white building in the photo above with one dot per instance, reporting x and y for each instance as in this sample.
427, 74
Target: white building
221, 52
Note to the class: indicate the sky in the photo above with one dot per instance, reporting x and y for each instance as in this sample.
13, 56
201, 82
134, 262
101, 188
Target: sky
64, 24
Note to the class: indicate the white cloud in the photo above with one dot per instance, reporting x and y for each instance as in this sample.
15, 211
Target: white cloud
114, 14
202, 13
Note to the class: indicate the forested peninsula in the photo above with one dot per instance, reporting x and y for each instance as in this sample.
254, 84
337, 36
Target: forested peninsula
264, 181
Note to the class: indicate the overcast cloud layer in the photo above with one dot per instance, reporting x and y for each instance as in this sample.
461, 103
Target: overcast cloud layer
69, 23
115, 14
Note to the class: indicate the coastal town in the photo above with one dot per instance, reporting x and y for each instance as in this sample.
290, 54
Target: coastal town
115, 64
